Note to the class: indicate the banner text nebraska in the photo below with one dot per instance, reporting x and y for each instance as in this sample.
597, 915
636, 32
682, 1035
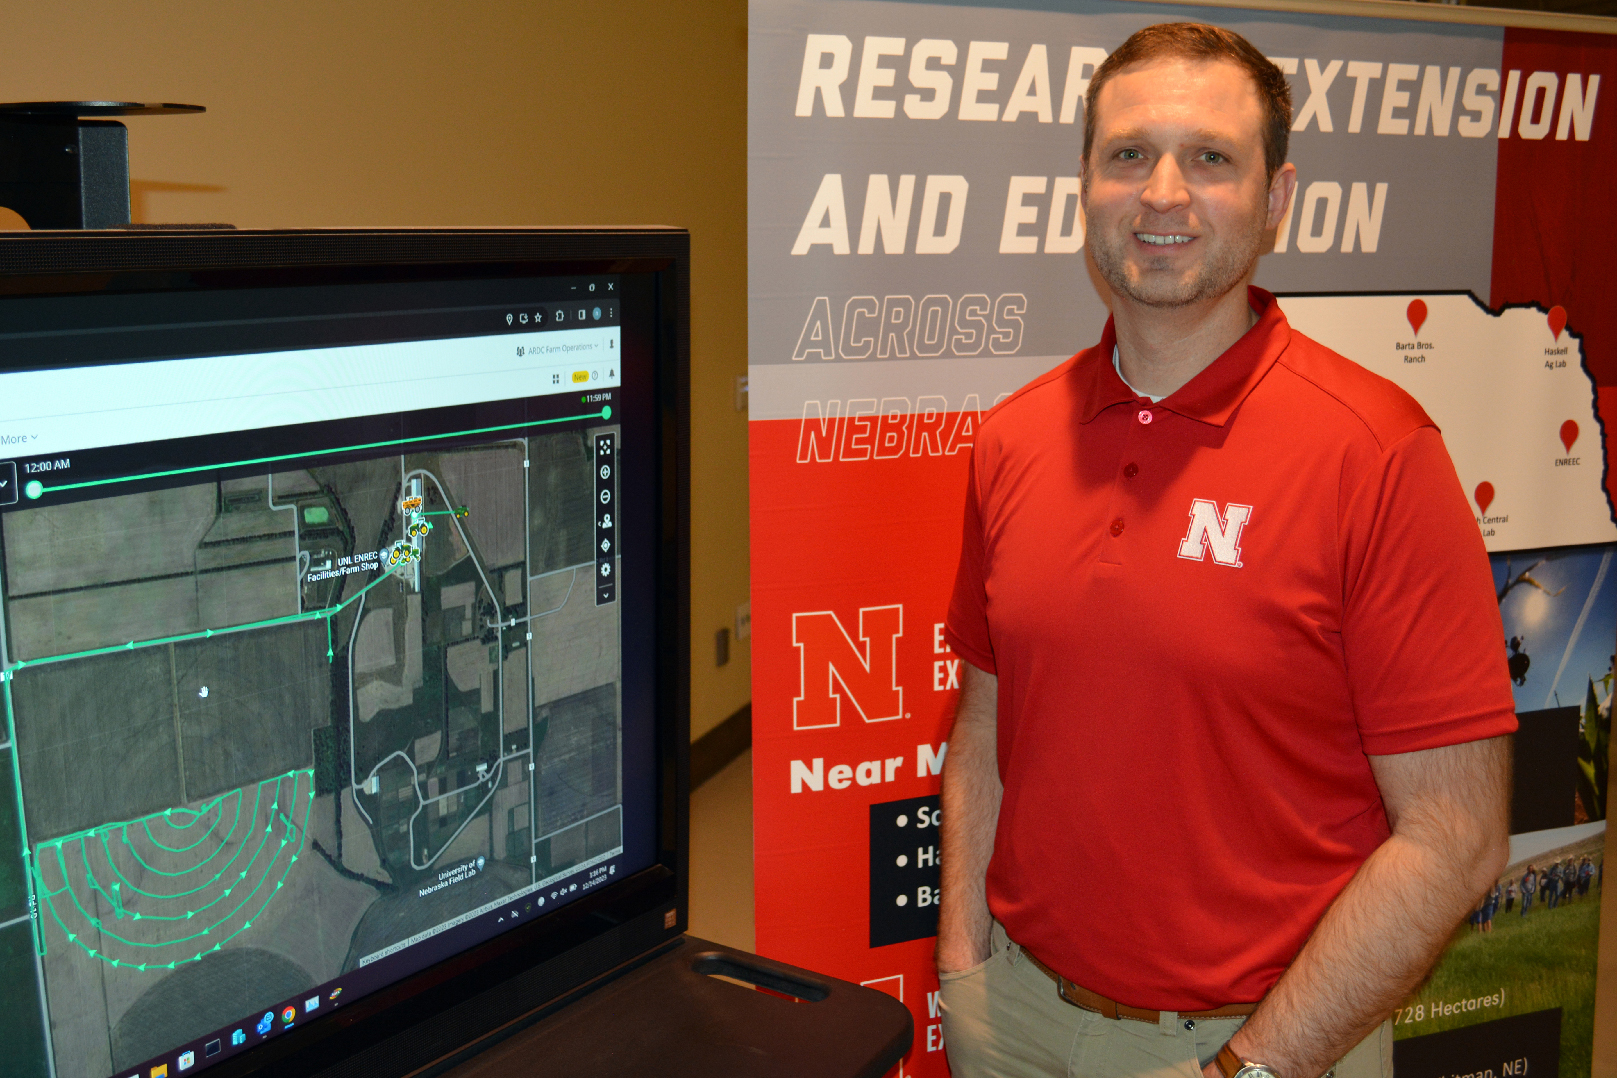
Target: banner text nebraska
887, 430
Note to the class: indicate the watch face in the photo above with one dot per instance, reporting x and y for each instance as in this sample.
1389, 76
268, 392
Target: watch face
1255, 1070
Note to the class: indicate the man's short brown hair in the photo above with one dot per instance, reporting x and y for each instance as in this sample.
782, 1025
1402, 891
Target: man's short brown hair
1201, 42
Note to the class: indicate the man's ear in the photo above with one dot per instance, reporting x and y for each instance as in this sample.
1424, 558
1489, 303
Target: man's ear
1281, 190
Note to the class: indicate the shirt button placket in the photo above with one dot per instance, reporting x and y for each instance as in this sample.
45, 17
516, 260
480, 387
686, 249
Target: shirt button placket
1130, 470
1122, 496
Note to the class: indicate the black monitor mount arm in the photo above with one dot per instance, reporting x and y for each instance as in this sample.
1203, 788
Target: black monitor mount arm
61, 168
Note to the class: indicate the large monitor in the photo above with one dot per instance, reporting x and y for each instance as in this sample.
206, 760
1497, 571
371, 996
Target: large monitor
343, 614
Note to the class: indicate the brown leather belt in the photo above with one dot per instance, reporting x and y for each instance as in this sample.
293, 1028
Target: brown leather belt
1079, 996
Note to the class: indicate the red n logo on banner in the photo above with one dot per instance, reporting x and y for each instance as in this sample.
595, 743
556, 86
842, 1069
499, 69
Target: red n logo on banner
833, 668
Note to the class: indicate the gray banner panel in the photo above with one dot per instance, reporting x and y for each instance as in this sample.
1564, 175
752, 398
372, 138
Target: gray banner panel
998, 289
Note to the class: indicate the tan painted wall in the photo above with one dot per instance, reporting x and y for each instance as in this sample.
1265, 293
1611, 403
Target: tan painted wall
481, 112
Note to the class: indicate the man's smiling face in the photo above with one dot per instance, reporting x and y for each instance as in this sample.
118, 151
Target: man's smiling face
1175, 192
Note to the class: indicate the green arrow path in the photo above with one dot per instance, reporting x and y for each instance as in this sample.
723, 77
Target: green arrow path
602, 413
242, 892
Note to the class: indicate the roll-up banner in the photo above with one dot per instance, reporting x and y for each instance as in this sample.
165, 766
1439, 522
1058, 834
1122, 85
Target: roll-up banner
916, 253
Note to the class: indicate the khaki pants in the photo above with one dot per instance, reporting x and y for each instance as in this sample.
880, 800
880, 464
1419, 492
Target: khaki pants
1003, 1019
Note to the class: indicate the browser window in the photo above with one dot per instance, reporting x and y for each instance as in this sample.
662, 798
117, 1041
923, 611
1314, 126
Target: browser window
313, 654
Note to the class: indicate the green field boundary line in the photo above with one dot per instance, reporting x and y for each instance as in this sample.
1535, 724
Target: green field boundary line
604, 413
308, 615
22, 825
202, 634
206, 634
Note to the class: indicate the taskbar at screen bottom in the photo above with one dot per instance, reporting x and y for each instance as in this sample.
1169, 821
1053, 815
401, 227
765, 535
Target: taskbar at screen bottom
391, 964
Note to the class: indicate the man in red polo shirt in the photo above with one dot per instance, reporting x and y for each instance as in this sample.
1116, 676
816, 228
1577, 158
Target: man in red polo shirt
1230, 762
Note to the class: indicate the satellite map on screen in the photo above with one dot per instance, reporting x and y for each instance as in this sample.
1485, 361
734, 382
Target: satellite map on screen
270, 729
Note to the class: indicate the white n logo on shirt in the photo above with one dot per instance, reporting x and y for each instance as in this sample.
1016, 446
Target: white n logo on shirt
1210, 530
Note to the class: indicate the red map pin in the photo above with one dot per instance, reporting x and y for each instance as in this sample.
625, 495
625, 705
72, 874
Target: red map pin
1417, 314
1569, 433
1557, 321
1484, 495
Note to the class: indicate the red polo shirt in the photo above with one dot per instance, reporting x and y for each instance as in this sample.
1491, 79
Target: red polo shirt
1203, 614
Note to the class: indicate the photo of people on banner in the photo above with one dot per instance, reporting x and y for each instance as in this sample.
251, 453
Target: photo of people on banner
1561, 881
1529, 947
917, 253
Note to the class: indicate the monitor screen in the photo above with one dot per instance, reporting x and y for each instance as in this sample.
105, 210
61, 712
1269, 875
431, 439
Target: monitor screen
327, 642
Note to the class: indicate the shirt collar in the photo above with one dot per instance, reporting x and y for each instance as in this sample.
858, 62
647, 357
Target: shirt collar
1214, 394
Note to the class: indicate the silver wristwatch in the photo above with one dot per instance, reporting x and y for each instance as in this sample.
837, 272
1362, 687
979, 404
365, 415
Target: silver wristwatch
1231, 1065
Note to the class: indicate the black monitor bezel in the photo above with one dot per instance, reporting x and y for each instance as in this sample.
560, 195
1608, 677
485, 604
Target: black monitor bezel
430, 1020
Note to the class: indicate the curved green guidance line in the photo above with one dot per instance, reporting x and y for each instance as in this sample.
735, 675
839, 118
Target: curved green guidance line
290, 831
146, 825
123, 833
